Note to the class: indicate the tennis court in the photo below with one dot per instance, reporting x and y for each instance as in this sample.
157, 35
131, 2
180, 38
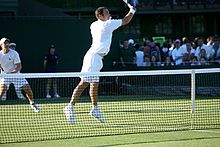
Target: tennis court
139, 114
162, 124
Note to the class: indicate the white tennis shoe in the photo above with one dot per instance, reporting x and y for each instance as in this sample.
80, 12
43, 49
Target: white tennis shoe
48, 96
95, 112
35, 108
70, 115
57, 95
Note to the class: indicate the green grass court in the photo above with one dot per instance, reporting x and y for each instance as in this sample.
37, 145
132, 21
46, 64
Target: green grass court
203, 138
129, 123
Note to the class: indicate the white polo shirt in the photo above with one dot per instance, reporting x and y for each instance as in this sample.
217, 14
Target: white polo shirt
102, 35
101, 41
8, 60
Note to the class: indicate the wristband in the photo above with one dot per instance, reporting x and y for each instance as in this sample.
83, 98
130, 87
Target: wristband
132, 11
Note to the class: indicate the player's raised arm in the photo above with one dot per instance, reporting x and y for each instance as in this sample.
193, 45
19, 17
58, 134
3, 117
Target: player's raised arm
129, 16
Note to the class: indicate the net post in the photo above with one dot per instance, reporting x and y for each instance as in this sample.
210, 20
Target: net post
193, 90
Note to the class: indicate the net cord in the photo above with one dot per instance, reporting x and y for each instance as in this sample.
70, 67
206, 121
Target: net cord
111, 73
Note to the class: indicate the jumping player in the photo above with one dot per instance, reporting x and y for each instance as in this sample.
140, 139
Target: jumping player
101, 31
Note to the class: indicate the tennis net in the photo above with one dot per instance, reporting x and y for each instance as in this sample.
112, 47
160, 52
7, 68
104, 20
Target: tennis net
132, 102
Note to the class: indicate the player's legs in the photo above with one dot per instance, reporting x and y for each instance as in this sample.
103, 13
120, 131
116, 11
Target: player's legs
4, 84
3, 90
23, 84
49, 81
91, 63
69, 110
93, 92
54, 83
95, 112
20, 94
29, 94
78, 91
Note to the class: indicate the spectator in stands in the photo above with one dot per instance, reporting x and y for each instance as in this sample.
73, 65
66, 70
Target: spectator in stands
217, 58
131, 43
202, 54
201, 45
146, 61
185, 60
51, 61
146, 47
154, 61
127, 56
12, 46
190, 52
203, 61
194, 61
195, 43
168, 61
10, 63
210, 51
177, 53
139, 59
18, 91
165, 51
210, 40
216, 49
155, 52
184, 41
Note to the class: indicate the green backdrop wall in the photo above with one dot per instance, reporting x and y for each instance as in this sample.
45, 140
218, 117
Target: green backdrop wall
71, 37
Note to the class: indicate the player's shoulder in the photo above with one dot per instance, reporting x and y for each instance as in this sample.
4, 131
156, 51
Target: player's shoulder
13, 51
95, 22
114, 20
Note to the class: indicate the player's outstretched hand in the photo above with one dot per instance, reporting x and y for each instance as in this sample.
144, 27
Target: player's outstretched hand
132, 9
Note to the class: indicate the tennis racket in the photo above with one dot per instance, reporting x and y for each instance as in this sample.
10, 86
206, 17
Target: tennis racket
127, 3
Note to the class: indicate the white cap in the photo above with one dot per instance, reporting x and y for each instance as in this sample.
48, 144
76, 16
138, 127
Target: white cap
130, 41
3, 40
12, 44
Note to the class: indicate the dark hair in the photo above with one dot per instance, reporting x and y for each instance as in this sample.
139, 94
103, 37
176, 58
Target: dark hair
99, 11
50, 47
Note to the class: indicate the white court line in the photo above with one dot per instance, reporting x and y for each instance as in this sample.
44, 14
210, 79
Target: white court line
208, 131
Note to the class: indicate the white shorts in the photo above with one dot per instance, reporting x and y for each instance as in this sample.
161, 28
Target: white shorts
92, 62
18, 83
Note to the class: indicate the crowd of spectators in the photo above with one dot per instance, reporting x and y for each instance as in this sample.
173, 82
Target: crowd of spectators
143, 3
177, 52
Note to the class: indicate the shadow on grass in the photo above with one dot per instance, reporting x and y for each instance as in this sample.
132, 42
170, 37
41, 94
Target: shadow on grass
159, 141
86, 99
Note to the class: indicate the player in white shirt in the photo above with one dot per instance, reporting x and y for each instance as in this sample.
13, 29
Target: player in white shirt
11, 64
101, 31
18, 91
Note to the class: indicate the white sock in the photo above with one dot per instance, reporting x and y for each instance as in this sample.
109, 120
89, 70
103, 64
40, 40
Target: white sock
31, 102
71, 106
95, 107
4, 96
